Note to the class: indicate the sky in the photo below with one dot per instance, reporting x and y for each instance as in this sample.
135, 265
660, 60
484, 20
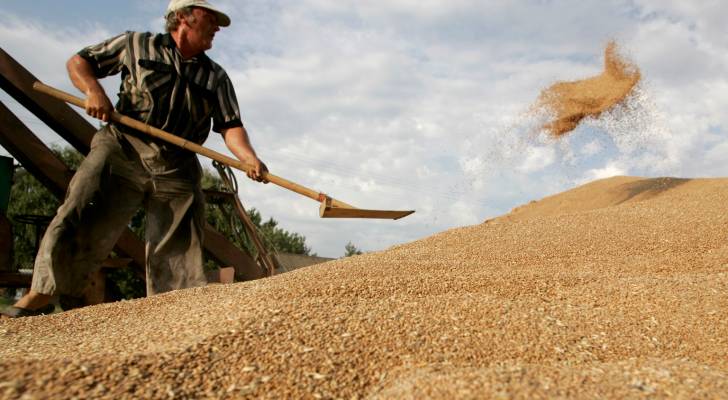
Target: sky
426, 104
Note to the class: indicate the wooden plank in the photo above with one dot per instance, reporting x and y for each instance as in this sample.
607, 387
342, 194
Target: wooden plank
33, 154
222, 275
226, 254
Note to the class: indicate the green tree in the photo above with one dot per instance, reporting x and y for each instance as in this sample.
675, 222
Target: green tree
351, 250
29, 200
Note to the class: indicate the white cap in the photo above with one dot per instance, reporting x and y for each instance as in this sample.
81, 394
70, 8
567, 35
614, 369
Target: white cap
175, 5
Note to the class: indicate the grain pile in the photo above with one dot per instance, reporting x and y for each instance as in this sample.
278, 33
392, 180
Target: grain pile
570, 102
615, 289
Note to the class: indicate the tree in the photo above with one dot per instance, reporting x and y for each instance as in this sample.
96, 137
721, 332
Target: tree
351, 250
28, 197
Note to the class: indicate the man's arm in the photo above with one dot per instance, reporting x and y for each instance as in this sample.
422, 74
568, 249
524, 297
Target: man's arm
238, 142
82, 76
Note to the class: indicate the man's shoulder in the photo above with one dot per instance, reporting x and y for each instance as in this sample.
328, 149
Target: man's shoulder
216, 68
154, 37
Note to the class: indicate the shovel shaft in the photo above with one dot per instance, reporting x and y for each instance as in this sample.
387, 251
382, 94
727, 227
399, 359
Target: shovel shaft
186, 144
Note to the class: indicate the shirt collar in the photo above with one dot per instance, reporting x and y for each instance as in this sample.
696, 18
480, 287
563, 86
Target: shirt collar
168, 41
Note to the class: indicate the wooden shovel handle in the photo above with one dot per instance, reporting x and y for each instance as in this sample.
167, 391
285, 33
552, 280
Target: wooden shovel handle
186, 144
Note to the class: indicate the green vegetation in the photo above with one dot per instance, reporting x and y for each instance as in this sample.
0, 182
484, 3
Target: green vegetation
351, 250
28, 197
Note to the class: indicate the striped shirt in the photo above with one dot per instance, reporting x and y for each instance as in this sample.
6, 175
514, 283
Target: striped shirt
164, 90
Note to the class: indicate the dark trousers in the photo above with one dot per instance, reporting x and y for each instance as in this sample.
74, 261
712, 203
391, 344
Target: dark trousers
121, 174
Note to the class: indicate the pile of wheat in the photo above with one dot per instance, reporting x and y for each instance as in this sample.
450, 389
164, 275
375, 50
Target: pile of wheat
615, 289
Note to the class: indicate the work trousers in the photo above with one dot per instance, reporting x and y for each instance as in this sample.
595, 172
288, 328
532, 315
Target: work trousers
121, 174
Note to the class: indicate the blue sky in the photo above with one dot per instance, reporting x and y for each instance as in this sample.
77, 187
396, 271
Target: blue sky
403, 104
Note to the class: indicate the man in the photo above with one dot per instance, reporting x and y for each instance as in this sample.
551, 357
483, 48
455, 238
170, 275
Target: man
167, 82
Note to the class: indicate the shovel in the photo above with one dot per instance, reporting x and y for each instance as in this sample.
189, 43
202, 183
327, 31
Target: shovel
330, 207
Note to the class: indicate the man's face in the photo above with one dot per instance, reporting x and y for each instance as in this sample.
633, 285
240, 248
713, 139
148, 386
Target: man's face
202, 28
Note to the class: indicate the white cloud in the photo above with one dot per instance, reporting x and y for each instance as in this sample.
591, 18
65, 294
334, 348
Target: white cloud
43, 48
424, 104
592, 148
608, 171
536, 159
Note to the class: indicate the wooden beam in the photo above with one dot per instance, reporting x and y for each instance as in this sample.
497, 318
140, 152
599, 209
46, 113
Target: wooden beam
227, 255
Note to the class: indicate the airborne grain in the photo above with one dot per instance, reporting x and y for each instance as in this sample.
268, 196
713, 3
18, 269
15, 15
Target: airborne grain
570, 102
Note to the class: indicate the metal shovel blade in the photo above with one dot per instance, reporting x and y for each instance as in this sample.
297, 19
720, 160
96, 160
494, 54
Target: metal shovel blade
329, 211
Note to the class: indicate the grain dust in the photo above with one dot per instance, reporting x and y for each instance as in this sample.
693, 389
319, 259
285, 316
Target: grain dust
570, 102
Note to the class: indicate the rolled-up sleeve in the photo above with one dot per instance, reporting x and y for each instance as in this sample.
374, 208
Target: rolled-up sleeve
107, 58
227, 112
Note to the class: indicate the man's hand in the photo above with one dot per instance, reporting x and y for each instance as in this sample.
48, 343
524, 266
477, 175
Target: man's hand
98, 105
257, 171
82, 76
238, 142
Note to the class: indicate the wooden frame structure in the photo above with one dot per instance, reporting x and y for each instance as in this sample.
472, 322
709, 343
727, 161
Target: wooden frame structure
45, 166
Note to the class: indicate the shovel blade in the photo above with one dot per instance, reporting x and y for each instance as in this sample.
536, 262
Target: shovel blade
343, 212
332, 208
